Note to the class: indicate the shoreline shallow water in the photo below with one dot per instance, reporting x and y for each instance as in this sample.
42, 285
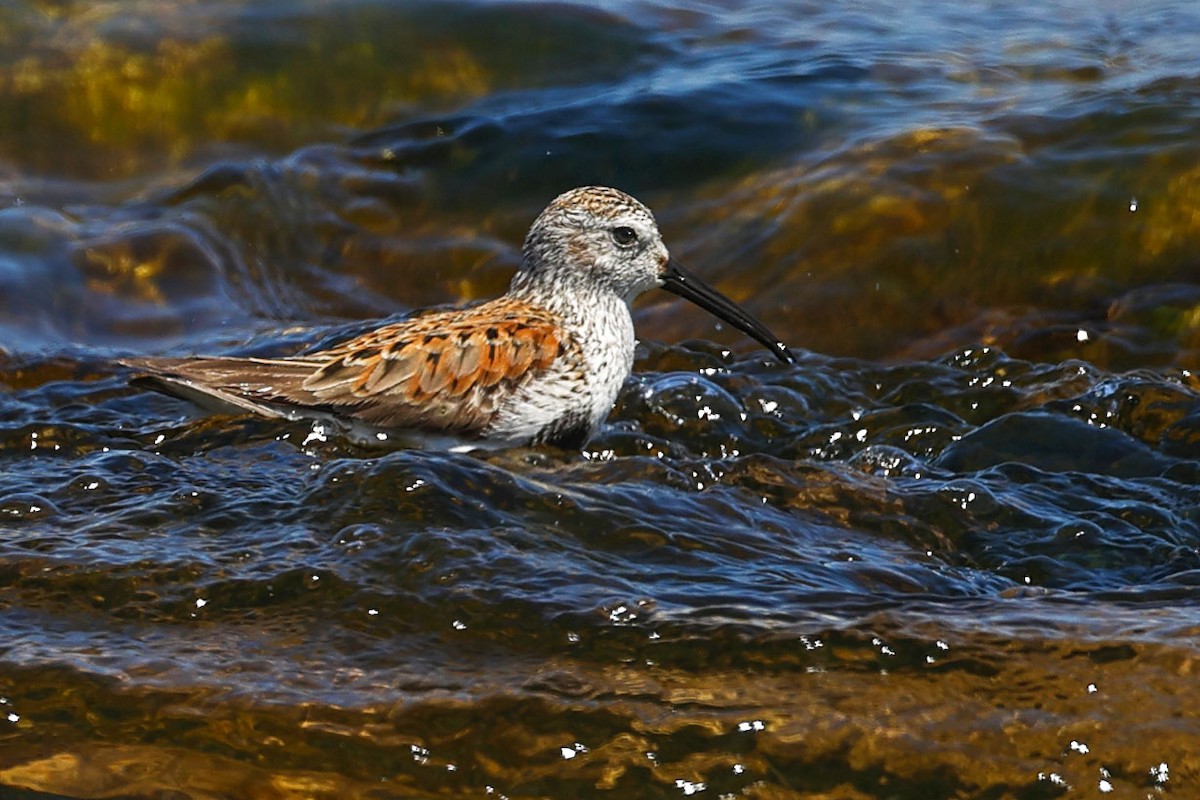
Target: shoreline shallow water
953, 552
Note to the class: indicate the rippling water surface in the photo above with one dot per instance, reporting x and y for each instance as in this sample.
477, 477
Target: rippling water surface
954, 552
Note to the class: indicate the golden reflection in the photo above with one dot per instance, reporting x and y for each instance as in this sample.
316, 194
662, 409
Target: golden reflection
145, 771
124, 98
1172, 220
773, 717
891, 235
128, 105
117, 269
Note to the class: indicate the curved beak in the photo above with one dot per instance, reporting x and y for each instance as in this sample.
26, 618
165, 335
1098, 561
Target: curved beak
678, 280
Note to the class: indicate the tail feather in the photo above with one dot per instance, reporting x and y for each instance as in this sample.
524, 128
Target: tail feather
229, 384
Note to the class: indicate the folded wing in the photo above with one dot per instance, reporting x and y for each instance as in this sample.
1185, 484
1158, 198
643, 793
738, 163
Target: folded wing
443, 371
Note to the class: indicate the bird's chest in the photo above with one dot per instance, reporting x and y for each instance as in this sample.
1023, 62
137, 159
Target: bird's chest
607, 345
564, 404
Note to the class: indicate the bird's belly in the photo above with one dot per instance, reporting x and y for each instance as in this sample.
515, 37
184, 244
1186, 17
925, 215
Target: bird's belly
567, 402
548, 409
562, 407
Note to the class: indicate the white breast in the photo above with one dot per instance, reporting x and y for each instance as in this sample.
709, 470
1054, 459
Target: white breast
605, 334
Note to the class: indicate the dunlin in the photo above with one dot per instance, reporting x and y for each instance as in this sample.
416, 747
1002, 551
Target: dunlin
541, 364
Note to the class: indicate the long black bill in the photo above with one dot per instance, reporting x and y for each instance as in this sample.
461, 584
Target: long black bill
678, 280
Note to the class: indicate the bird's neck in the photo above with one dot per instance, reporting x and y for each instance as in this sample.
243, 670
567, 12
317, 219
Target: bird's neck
601, 319
574, 300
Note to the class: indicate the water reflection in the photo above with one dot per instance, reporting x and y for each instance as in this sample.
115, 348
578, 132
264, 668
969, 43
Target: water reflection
970, 507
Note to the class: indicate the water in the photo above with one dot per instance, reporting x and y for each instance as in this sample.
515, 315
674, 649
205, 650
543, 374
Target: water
953, 552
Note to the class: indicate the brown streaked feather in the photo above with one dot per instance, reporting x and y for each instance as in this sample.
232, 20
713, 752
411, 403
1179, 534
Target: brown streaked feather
439, 371
222, 384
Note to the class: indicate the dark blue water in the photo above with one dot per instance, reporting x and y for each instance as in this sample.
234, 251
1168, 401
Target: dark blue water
953, 552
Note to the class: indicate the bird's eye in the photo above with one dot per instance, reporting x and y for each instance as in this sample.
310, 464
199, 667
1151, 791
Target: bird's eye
624, 235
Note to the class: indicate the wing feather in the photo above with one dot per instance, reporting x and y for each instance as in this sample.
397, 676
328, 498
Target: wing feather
442, 372
469, 360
